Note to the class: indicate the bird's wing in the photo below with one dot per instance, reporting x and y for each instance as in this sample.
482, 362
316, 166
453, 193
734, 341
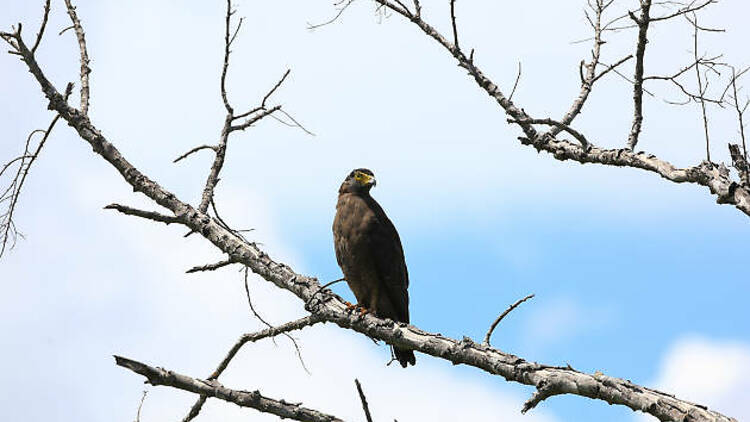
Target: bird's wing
388, 257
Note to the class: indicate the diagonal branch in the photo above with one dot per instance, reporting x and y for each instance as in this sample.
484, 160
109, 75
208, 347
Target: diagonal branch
250, 338
363, 399
587, 82
8, 229
194, 150
710, 175
251, 399
500, 318
211, 267
85, 69
561, 380
40, 34
149, 215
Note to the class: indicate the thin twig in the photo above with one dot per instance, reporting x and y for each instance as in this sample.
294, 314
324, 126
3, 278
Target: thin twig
500, 318
250, 338
587, 79
333, 19
363, 399
211, 267
225, 63
453, 23
13, 192
196, 149
701, 89
740, 112
287, 335
149, 215
515, 84
321, 288
249, 122
42, 26
140, 405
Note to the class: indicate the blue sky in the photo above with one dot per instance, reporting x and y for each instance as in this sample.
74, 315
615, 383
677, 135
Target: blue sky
634, 276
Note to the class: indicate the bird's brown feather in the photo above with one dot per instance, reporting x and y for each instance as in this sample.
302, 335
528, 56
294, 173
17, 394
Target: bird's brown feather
369, 252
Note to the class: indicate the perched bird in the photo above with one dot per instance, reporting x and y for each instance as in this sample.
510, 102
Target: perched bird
370, 255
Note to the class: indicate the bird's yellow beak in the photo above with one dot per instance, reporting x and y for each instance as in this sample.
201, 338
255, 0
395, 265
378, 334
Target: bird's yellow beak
365, 179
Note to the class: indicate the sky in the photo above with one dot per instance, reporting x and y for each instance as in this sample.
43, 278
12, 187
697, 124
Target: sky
634, 276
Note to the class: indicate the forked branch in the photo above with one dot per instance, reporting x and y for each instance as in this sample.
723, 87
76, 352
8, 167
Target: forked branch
549, 380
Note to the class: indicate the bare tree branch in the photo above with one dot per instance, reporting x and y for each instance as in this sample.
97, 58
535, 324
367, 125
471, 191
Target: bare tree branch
559, 126
212, 388
196, 149
211, 267
739, 162
643, 22
549, 380
343, 5
363, 399
736, 160
453, 23
42, 26
684, 11
715, 177
140, 405
500, 318
8, 231
149, 215
85, 69
333, 309
587, 81
701, 89
250, 338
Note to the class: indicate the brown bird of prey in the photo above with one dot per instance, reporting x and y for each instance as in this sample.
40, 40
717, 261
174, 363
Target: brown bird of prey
370, 255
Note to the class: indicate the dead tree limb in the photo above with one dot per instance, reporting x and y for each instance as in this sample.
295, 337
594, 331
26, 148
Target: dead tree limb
85, 69
487, 336
363, 399
549, 380
251, 399
713, 176
250, 338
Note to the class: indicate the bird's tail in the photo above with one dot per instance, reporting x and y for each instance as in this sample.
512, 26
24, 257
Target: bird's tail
404, 356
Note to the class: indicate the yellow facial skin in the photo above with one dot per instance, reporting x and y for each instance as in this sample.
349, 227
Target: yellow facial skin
364, 179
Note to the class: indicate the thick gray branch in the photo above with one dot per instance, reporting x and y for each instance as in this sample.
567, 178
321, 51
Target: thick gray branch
330, 307
705, 174
251, 399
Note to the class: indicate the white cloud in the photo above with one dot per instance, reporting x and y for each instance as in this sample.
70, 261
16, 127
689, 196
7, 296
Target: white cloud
114, 284
713, 373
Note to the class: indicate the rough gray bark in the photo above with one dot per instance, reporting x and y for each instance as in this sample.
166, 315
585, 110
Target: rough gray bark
706, 174
325, 306
212, 388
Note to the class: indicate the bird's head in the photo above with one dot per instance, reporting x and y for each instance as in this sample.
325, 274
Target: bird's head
358, 181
